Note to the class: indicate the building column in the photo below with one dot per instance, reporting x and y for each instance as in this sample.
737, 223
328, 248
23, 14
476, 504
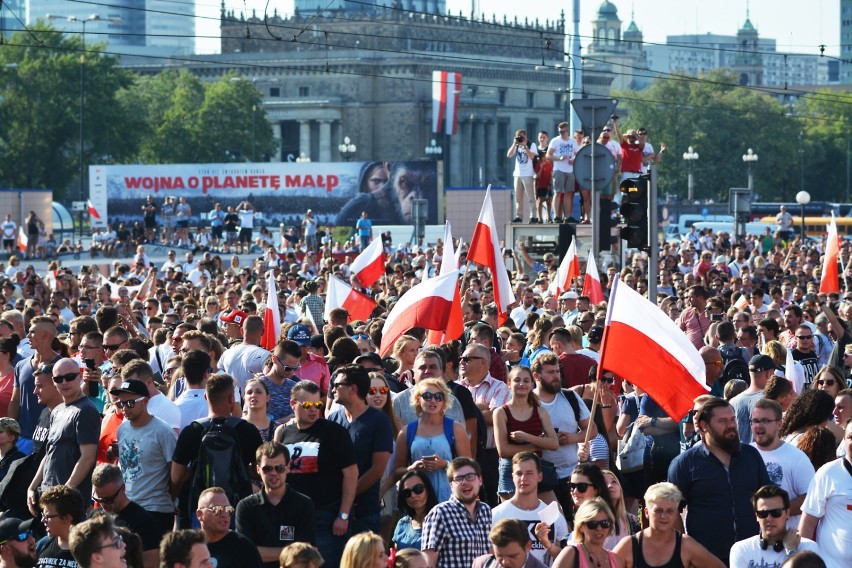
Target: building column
325, 141
466, 160
479, 153
456, 143
490, 151
276, 135
305, 138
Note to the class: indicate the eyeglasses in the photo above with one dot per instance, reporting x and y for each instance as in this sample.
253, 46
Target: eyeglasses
776, 513
804, 337
47, 517
361, 336
416, 490
218, 509
594, 525
308, 405
108, 500
168, 372
430, 396
278, 468
586, 321
717, 362
469, 477
579, 487
762, 421
59, 379
116, 543
23, 536
468, 358
562, 131
607, 129
610, 380
825, 382
379, 390
336, 385
121, 404
112, 347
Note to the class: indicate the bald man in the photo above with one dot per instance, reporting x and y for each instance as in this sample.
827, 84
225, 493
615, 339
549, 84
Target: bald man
713, 367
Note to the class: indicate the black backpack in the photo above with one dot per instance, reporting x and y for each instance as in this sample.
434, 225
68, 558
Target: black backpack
735, 366
220, 461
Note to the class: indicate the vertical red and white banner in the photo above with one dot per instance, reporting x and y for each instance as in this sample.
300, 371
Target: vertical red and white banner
830, 280
568, 269
272, 317
23, 241
446, 91
592, 282
485, 250
455, 323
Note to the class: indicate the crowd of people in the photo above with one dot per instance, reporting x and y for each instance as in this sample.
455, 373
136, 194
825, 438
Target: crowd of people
147, 420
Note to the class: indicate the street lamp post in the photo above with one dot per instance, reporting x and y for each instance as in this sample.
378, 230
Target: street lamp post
303, 159
433, 151
750, 158
347, 148
803, 198
253, 133
690, 156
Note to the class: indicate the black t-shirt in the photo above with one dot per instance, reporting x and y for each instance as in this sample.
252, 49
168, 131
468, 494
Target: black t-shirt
371, 432
465, 400
122, 235
51, 555
140, 521
264, 524
232, 220
235, 551
318, 456
810, 364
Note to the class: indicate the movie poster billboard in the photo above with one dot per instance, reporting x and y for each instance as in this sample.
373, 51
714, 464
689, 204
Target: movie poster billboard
337, 192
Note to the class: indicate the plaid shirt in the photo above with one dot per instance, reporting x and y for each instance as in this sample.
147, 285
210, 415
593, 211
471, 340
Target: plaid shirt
491, 392
314, 303
449, 530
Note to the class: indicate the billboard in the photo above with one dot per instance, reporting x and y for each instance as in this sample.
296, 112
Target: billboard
337, 192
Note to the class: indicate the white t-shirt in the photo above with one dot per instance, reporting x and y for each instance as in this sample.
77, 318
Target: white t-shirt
558, 531
160, 406
192, 406
523, 162
562, 148
246, 218
747, 553
9, 228
830, 499
647, 150
790, 469
243, 361
562, 416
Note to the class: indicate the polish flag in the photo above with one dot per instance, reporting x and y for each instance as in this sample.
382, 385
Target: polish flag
93, 213
485, 250
369, 266
427, 305
272, 317
446, 88
455, 325
741, 303
569, 269
23, 240
794, 372
342, 295
592, 282
830, 281
642, 344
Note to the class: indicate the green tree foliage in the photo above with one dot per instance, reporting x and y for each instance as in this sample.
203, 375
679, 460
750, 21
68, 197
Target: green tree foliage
826, 124
720, 121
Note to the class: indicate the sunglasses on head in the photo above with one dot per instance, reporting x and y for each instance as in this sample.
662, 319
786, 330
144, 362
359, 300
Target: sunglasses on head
67, 378
605, 524
278, 468
379, 390
308, 405
416, 490
430, 396
776, 513
581, 487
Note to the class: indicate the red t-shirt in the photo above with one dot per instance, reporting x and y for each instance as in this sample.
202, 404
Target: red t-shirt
631, 160
575, 369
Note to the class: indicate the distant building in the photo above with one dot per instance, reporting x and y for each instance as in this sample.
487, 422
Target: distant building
846, 42
305, 7
618, 59
13, 13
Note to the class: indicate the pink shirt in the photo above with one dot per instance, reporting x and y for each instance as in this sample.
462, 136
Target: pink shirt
695, 325
315, 369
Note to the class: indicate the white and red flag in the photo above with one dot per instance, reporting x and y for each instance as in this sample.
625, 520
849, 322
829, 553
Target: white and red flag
369, 266
446, 90
455, 325
93, 213
272, 317
342, 295
427, 305
830, 281
643, 345
568, 269
23, 240
485, 250
592, 282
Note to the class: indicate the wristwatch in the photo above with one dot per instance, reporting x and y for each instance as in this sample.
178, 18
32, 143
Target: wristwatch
654, 421
343, 516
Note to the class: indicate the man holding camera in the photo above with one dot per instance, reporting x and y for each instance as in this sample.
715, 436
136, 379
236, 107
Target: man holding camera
524, 152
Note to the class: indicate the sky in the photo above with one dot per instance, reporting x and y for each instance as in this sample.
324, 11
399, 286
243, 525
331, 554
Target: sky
797, 26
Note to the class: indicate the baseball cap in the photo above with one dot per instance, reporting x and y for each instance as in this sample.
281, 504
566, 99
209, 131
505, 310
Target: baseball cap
760, 363
234, 316
569, 295
11, 527
318, 342
300, 334
10, 425
131, 386
721, 258
595, 334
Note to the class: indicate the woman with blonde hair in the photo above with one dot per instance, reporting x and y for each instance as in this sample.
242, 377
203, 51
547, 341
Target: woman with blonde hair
433, 440
405, 351
625, 523
594, 522
300, 555
364, 550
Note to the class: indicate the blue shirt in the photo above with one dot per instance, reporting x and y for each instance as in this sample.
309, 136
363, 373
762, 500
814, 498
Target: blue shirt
364, 227
719, 499
217, 218
279, 399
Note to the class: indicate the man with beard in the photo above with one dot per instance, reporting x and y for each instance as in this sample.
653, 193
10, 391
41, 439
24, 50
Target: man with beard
717, 479
17, 545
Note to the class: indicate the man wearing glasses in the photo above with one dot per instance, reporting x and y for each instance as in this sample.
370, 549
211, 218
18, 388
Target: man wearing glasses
281, 379
62, 508
805, 353
72, 439
275, 517
227, 548
145, 446
108, 491
96, 544
455, 532
17, 545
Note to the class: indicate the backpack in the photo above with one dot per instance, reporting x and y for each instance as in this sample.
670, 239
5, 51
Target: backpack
411, 433
573, 400
220, 461
735, 366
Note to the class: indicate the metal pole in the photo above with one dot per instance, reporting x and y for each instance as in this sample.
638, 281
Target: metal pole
848, 168
653, 237
596, 241
690, 184
750, 178
577, 81
82, 109
803, 222
253, 133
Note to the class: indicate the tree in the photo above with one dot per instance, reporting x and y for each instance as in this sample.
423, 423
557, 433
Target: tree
826, 119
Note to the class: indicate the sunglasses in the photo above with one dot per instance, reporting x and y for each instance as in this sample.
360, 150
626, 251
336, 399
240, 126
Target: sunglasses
23, 536
279, 468
579, 487
59, 379
416, 490
605, 524
468, 358
804, 337
361, 336
430, 396
308, 405
112, 347
122, 404
108, 500
610, 380
825, 382
380, 390
776, 513
219, 509
337, 385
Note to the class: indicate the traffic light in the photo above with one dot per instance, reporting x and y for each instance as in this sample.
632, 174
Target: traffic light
634, 212
605, 222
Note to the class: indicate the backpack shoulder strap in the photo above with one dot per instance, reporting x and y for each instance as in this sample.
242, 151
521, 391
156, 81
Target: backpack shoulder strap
450, 434
410, 433
575, 405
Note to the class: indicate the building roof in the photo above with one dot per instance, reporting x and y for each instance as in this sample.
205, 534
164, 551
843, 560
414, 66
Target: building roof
607, 11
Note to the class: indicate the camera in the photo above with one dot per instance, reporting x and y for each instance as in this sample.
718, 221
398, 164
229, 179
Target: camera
519, 139
715, 317
613, 117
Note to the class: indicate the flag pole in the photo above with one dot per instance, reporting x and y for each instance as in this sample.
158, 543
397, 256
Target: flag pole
595, 400
599, 373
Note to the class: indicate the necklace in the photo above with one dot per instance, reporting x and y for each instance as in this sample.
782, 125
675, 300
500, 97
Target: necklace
592, 558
